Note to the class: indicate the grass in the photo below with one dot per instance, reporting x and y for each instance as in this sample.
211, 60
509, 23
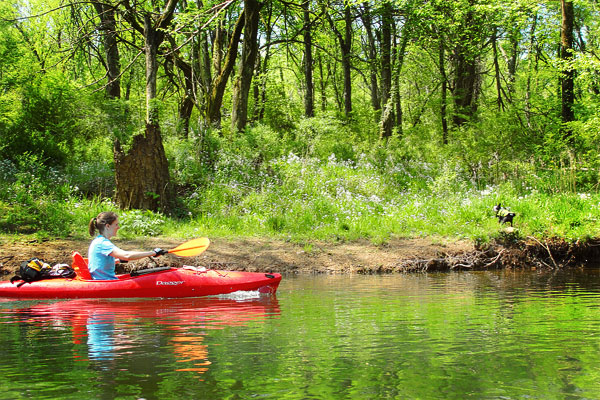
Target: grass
375, 196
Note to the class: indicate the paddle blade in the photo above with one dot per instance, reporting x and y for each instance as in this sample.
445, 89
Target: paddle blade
192, 248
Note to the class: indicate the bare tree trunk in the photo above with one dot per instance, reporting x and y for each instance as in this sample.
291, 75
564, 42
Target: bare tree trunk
215, 97
374, 86
108, 27
262, 68
186, 106
243, 82
466, 79
387, 117
444, 92
309, 102
464, 87
399, 61
532, 61
345, 42
336, 90
497, 72
153, 39
567, 79
346, 54
322, 84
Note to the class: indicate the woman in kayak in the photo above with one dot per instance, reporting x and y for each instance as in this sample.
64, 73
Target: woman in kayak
103, 254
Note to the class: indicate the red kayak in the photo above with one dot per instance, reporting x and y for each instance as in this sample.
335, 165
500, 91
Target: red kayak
160, 282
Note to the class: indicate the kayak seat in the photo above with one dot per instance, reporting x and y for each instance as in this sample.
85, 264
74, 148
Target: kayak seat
80, 266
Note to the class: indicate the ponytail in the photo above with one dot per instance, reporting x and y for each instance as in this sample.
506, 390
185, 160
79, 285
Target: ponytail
92, 226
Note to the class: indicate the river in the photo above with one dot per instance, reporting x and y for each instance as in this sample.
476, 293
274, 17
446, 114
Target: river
480, 335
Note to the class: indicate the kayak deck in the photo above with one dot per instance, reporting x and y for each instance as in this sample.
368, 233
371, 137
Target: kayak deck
169, 283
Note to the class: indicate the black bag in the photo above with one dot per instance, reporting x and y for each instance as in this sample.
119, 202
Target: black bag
35, 270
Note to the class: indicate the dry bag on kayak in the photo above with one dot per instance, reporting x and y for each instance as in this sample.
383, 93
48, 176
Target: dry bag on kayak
36, 270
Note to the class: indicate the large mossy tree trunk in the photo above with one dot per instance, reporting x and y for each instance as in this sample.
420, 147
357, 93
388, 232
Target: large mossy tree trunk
142, 173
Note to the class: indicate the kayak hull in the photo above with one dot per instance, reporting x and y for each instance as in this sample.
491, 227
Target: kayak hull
172, 283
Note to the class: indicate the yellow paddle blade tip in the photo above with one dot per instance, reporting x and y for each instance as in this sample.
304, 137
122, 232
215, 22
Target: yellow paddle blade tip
191, 248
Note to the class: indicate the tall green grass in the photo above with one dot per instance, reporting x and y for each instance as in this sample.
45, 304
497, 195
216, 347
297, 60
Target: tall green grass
306, 185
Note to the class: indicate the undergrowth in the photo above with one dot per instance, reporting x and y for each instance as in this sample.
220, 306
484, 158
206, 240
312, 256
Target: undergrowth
307, 186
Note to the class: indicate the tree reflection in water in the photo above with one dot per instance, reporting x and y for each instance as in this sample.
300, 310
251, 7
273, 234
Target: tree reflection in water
116, 330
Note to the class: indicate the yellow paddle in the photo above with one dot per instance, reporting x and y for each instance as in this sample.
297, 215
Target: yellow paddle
191, 248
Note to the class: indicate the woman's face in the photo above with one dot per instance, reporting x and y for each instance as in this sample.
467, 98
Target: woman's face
111, 229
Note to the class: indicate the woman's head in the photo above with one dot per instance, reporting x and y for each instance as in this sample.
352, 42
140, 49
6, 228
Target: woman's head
101, 221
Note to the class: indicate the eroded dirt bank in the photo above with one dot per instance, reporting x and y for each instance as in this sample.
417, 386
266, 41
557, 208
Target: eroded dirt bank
399, 255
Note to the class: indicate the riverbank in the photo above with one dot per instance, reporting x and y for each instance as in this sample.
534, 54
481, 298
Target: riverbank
358, 257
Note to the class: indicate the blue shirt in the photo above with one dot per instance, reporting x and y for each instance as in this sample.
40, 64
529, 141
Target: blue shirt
100, 263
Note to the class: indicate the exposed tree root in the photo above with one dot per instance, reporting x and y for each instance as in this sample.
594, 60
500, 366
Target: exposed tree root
529, 253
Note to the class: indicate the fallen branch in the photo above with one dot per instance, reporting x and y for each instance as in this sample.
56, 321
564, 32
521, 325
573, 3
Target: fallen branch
494, 260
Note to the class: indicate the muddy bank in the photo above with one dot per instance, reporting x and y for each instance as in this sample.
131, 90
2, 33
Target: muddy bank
361, 257
530, 253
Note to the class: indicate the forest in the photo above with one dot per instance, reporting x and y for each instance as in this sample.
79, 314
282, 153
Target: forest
323, 119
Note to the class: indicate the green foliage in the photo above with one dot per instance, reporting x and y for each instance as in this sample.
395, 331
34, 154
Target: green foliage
34, 199
140, 223
330, 176
47, 124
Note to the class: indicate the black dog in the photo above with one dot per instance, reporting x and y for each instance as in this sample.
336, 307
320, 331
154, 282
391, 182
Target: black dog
503, 214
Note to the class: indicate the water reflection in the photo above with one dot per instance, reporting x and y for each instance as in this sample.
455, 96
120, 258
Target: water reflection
484, 335
115, 329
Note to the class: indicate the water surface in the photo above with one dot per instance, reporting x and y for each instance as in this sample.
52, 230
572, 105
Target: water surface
486, 335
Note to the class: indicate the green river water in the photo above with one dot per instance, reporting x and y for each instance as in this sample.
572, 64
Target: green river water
479, 335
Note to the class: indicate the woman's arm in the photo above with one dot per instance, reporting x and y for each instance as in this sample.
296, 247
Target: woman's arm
131, 255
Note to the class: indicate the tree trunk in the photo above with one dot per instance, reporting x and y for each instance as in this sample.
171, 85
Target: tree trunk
345, 42
396, 97
346, 54
309, 102
464, 87
109, 36
153, 38
499, 101
186, 106
322, 83
387, 117
263, 67
466, 79
372, 51
142, 173
201, 69
243, 82
215, 97
444, 92
567, 79
532, 64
